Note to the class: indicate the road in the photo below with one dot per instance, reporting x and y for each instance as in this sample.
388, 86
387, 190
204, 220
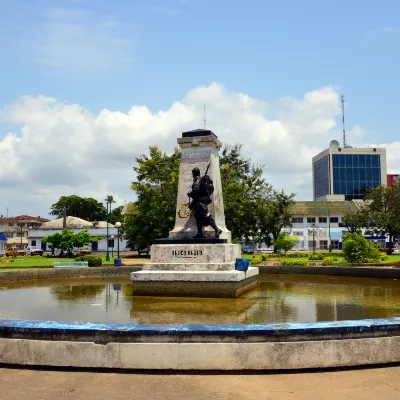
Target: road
357, 384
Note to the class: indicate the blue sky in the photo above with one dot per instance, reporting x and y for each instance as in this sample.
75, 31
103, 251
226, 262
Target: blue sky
114, 55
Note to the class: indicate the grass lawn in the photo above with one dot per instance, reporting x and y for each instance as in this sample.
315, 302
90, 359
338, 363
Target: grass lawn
39, 262
341, 260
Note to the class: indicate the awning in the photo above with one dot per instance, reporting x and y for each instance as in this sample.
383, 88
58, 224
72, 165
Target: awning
335, 234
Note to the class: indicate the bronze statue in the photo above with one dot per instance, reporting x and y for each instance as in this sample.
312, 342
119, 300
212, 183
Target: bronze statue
201, 192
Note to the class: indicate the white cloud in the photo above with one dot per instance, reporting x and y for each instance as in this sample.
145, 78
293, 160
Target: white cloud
80, 41
61, 149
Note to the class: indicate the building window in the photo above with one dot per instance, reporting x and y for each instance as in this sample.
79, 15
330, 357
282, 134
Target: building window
354, 173
33, 243
111, 243
323, 220
297, 220
298, 233
10, 224
335, 244
311, 220
334, 220
312, 244
323, 245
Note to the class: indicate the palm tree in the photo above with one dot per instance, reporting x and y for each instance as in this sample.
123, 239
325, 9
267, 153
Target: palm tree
109, 200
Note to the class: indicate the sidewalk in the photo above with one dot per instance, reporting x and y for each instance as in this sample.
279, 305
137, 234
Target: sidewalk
360, 384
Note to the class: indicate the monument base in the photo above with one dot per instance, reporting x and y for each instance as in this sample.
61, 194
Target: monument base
194, 284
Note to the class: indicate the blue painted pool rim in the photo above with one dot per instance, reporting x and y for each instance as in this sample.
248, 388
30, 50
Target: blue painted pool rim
28, 327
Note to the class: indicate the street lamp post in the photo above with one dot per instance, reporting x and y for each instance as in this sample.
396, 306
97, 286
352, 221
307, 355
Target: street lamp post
112, 248
118, 226
108, 252
313, 230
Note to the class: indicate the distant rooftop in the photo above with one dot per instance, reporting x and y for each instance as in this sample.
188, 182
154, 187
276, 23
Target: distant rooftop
21, 218
323, 207
198, 132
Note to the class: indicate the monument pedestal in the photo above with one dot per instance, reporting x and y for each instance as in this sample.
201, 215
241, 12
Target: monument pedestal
181, 265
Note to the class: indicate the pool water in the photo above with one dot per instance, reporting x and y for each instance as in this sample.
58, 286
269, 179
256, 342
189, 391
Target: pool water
278, 298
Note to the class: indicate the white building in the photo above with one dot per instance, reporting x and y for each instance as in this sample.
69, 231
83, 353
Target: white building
322, 222
98, 229
343, 173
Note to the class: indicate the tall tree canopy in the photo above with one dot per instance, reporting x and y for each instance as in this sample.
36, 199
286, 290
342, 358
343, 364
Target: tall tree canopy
86, 208
153, 214
253, 209
383, 207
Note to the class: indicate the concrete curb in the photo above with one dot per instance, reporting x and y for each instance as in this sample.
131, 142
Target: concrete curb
62, 273
201, 347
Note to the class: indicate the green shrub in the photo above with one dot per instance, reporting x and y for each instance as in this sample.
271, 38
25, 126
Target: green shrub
316, 257
93, 261
383, 257
297, 255
264, 257
256, 260
327, 261
357, 249
299, 261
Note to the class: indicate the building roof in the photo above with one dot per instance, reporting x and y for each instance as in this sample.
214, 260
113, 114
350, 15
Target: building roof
72, 223
20, 218
323, 207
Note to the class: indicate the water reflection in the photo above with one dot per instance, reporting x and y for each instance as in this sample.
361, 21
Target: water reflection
278, 298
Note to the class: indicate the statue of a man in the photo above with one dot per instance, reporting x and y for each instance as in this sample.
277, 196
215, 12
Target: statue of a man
201, 192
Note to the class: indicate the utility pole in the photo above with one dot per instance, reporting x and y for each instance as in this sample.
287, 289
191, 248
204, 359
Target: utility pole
343, 125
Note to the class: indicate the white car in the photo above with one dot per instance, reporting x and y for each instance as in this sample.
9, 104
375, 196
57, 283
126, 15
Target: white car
33, 251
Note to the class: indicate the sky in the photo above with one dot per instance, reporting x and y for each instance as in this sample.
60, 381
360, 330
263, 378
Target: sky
87, 85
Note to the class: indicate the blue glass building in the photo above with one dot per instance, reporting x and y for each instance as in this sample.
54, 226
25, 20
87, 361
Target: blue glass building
345, 173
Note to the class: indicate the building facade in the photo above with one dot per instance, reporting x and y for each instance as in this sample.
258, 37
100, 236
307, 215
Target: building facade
345, 173
98, 230
16, 229
320, 224
393, 179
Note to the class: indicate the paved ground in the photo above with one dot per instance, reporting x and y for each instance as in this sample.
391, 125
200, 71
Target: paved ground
359, 384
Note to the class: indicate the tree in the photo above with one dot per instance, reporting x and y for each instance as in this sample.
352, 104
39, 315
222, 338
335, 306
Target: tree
86, 208
276, 214
116, 215
283, 242
244, 191
357, 249
109, 200
383, 207
68, 240
248, 198
153, 214
355, 222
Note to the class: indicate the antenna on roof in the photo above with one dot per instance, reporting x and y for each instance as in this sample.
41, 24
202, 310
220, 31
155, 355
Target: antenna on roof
205, 116
344, 129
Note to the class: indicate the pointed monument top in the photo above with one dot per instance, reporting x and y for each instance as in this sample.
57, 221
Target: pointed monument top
198, 132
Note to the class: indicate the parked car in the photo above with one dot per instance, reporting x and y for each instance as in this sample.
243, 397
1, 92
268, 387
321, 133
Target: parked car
146, 251
34, 251
247, 250
14, 252
83, 252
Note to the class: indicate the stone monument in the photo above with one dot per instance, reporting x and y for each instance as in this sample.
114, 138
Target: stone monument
184, 264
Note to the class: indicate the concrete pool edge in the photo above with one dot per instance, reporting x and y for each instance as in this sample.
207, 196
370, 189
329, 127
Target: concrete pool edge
332, 270
201, 347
